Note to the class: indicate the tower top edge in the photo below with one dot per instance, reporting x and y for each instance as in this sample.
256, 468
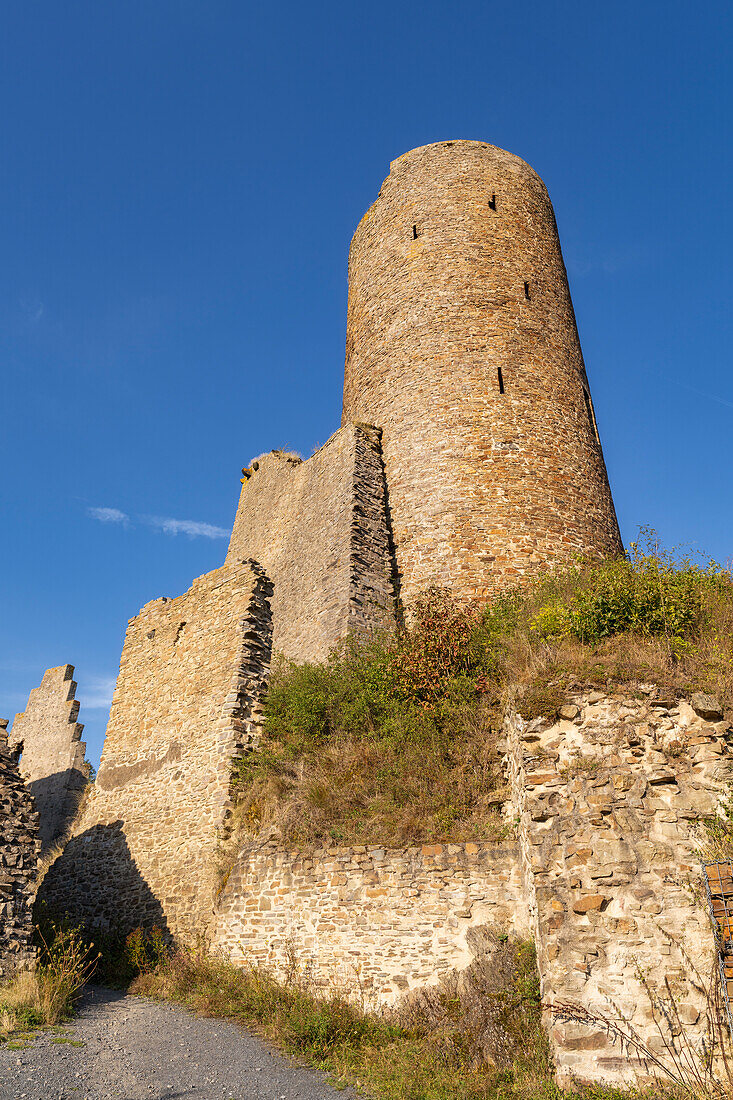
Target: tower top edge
429, 161
456, 147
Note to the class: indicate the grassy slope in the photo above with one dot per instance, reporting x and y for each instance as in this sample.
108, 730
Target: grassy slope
394, 742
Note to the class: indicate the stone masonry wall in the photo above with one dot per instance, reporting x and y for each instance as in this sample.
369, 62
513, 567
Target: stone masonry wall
319, 529
53, 764
462, 346
603, 874
19, 849
143, 850
607, 800
378, 920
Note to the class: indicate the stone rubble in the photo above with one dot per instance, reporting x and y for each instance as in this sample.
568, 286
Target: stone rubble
19, 850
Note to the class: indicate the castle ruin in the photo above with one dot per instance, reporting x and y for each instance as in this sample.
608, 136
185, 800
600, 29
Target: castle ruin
468, 457
469, 452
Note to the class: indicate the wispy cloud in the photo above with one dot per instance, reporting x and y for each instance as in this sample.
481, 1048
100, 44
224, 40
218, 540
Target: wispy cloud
165, 525
193, 528
693, 389
618, 259
95, 693
108, 515
32, 310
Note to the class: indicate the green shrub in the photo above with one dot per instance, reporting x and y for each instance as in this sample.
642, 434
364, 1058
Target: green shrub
145, 948
648, 593
120, 956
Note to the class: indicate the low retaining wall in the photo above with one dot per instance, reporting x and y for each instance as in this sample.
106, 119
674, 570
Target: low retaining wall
382, 920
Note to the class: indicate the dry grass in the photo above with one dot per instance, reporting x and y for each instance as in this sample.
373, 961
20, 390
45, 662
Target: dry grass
394, 792
20, 1006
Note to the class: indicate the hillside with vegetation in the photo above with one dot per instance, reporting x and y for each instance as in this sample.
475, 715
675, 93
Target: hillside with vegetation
399, 740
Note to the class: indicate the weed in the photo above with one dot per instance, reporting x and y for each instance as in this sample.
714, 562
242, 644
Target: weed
120, 955
47, 995
581, 764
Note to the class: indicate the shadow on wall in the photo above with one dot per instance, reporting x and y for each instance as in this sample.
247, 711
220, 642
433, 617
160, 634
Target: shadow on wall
96, 882
56, 799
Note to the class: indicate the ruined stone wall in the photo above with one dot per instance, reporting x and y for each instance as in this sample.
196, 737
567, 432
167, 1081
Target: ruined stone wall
607, 800
52, 763
462, 346
143, 850
319, 529
19, 850
602, 870
383, 921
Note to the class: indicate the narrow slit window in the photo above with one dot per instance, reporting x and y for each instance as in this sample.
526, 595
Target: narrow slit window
591, 417
527, 295
500, 378
492, 202
414, 232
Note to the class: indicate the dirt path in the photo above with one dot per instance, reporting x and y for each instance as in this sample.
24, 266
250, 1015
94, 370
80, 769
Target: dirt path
134, 1049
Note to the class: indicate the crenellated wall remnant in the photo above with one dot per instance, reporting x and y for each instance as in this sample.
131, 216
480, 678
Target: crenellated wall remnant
52, 763
319, 528
143, 850
19, 850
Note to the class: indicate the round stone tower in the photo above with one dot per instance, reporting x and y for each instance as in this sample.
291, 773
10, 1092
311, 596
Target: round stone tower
462, 346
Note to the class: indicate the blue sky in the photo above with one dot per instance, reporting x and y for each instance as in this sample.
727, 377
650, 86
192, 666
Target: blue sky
180, 181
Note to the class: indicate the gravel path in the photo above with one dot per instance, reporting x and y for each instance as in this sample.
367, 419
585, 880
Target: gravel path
135, 1049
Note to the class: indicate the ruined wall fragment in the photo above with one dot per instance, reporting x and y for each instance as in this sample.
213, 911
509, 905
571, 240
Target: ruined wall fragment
52, 763
319, 529
143, 850
608, 799
19, 849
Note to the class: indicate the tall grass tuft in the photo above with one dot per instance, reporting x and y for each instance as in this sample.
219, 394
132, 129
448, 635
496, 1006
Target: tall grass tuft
47, 995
